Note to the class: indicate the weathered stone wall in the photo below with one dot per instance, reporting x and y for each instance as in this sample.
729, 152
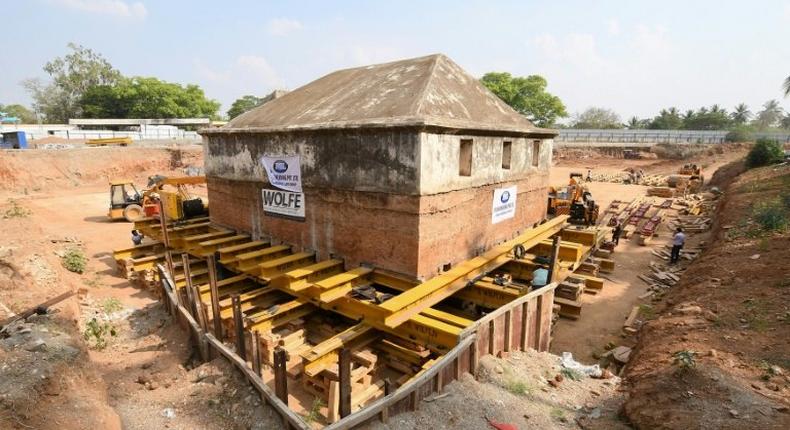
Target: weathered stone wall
362, 160
393, 199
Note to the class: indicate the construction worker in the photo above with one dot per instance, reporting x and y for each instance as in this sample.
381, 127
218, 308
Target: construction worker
678, 240
137, 237
589, 175
616, 233
540, 277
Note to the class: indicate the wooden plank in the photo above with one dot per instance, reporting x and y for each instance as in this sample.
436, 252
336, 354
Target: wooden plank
508, 331
344, 372
212, 281
280, 374
239, 325
333, 403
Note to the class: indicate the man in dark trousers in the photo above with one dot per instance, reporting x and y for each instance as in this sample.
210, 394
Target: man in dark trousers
678, 240
616, 233
137, 237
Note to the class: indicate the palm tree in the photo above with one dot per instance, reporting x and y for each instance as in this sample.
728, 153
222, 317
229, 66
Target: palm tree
770, 115
741, 114
787, 86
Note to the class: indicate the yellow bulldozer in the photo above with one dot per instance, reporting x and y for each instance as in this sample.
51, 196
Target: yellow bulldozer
574, 200
127, 203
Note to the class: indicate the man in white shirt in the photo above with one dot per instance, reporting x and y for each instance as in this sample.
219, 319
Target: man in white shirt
678, 240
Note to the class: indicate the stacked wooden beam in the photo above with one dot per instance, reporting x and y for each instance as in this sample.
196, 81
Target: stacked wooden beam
661, 192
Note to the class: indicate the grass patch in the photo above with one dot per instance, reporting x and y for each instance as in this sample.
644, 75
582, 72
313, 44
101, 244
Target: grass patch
74, 260
771, 215
111, 305
572, 374
96, 333
557, 414
647, 311
93, 282
16, 211
315, 411
518, 388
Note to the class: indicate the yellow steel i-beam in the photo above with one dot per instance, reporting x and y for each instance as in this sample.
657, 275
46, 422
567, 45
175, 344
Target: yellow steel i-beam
429, 293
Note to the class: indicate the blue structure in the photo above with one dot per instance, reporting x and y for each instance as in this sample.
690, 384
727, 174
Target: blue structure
13, 140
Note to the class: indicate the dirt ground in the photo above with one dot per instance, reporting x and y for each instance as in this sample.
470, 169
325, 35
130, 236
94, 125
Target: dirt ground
603, 314
729, 318
147, 377
52, 375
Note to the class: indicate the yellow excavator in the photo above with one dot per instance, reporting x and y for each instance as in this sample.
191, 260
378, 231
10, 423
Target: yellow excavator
574, 200
127, 203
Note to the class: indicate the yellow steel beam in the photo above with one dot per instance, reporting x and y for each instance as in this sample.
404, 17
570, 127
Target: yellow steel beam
278, 266
303, 278
409, 303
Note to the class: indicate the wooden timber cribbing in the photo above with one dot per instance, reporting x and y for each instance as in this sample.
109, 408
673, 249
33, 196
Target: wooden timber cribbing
521, 324
517, 326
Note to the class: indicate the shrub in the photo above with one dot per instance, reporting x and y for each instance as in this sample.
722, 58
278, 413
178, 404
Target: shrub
16, 211
740, 134
771, 216
685, 359
96, 333
765, 152
74, 260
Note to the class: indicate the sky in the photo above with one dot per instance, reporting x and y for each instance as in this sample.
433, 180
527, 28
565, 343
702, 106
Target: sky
634, 57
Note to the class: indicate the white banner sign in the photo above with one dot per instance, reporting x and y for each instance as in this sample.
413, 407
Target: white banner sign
284, 203
284, 172
504, 204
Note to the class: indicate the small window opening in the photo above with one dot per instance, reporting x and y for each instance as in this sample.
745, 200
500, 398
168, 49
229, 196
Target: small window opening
536, 153
506, 151
465, 158
447, 266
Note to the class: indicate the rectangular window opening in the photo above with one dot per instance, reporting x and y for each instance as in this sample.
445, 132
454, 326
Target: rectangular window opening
465, 158
536, 153
506, 150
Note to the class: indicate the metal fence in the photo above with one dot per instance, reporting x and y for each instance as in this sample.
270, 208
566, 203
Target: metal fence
655, 136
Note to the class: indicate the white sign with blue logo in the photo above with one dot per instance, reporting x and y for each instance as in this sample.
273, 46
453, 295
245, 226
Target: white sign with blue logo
284, 172
287, 199
504, 205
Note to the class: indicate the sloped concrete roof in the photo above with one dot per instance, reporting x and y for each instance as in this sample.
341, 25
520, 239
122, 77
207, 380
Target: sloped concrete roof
424, 91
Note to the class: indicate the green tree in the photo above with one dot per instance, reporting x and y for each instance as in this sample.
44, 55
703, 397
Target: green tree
765, 152
244, 104
637, 124
741, 114
597, 118
527, 95
142, 97
786, 86
667, 119
71, 76
769, 116
715, 118
25, 115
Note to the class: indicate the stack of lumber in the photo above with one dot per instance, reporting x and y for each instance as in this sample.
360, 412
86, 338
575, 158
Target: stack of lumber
654, 180
692, 223
661, 277
363, 361
291, 337
401, 355
661, 192
147, 279
696, 204
569, 290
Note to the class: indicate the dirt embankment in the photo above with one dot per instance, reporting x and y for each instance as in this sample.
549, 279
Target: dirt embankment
718, 355
46, 171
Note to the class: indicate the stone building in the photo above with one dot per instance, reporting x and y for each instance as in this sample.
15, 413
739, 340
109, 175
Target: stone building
402, 166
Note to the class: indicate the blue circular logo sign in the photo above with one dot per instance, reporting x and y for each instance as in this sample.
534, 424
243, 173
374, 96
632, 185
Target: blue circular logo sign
280, 166
505, 197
